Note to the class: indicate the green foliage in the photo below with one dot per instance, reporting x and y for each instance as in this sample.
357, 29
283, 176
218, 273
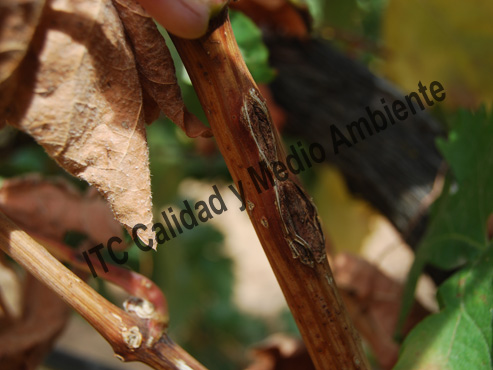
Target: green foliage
361, 17
457, 234
254, 51
353, 26
460, 336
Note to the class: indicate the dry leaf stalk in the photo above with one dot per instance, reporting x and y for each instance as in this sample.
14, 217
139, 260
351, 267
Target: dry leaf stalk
284, 217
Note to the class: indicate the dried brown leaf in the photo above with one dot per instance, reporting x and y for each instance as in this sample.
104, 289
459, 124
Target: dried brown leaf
50, 208
151, 109
18, 21
156, 67
373, 300
80, 97
26, 341
280, 352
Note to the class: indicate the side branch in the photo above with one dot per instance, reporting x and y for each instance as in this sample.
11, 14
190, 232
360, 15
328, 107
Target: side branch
128, 334
283, 215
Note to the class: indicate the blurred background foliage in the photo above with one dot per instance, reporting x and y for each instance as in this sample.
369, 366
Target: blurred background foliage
404, 41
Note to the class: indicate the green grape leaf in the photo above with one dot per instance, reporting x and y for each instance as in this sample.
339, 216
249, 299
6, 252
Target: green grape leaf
249, 39
457, 233
459, 337
357, 18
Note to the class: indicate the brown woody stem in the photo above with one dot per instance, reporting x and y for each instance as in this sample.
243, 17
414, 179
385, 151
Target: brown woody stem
129, 335
283, 216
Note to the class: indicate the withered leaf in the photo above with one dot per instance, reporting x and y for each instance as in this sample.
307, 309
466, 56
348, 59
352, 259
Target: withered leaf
281, 352
50, 208
156, 67
18, 20
26, 341
373, 300
80, 97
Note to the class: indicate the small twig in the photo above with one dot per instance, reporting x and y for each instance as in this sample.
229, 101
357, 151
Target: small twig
127, 333
132, 282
